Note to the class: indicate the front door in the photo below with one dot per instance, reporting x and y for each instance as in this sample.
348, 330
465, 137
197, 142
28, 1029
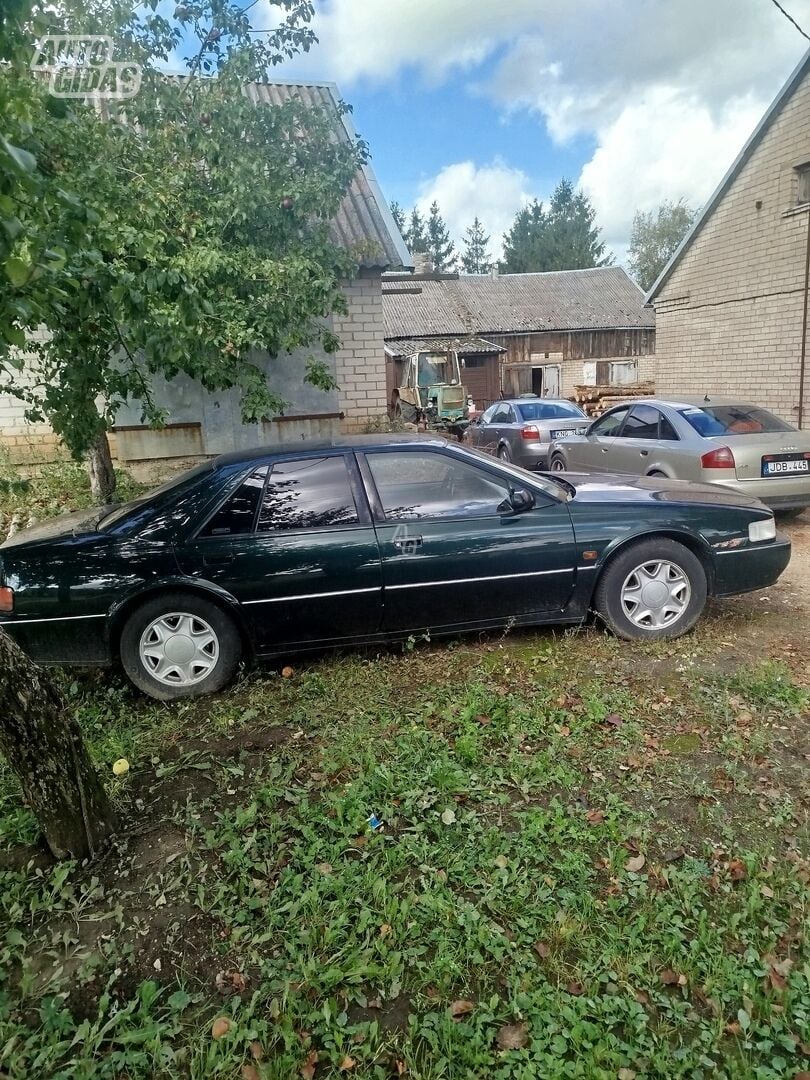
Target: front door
296, 546
593, 453
453, 554
631, 450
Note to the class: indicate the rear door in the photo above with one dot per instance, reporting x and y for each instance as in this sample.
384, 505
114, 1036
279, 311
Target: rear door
296, 546
451, 555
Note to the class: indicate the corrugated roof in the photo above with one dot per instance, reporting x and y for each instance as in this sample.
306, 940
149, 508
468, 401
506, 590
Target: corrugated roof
467, 346
603, 298
796, 77
364, 218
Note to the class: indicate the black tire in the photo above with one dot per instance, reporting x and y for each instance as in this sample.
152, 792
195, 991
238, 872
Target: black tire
222, 626
607, 600
505, 454
557, 464
657, 472
789, 515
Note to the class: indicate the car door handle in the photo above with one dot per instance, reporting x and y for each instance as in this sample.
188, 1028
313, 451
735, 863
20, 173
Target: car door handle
221, 558
644, 453
408, 541
604, 449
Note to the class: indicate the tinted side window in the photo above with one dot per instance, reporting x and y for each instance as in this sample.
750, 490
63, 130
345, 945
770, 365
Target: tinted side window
502, 415
642, 423
666, 430
608, 426
310, 493
428, 485
486, 417
236, 516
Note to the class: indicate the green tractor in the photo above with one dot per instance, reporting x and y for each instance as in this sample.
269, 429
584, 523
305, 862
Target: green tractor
429, 391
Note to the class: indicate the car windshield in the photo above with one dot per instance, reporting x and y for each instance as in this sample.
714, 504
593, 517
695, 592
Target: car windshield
711, 420
432, 369
116, 513
549, 410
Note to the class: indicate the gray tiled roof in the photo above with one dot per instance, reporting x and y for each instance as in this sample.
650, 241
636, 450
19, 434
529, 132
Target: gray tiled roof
604, 298
467, 346
364, 217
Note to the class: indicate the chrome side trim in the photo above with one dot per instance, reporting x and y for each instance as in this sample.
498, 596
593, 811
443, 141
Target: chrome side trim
312, 596
53, 618
471, 580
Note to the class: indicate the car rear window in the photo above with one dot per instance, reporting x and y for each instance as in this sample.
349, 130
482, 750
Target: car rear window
711, 420
546, 410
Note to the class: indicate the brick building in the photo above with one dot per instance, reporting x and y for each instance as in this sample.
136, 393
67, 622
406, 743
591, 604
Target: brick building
731, 303
524, 333
201, 424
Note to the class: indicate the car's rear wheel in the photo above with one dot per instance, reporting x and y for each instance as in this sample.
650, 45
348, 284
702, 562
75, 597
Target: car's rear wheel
789, 515
180, 646
504, 453
653, 589
557, 464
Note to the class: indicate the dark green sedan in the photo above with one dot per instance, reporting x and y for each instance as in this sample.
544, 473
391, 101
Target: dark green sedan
283, 549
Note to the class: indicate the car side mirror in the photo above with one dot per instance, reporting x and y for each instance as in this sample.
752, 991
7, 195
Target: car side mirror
518, 501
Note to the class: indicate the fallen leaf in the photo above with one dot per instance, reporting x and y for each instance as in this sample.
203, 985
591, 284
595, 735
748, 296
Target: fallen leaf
777, 980
230, 982
221, 1026
595, 817
542, 950
575, 989
737, 869
669, 977
448, 816
359, 841
483, 719
250, 1072
461, 1008
565, 731
501, 862
347, 1064
324, 868
385, 929
512, 1037
287, 672
613, 719
635, 864
401, 1067
307, 1070
256, 1051
626, 1074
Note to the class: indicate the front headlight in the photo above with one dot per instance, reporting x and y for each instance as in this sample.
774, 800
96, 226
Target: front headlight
762, 530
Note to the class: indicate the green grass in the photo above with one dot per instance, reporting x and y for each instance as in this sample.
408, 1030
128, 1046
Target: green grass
517, 780
58, 486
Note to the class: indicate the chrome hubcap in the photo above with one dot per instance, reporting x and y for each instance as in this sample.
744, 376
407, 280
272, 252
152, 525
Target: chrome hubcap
655, 595
179, 649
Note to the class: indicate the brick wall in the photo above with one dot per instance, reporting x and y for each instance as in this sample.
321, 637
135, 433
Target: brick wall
729, 318
360, 362
21, 442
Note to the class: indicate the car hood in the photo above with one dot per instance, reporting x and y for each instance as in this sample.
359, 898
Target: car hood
617, 487
82, 521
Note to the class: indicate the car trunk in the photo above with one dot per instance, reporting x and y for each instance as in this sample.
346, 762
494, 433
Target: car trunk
783, 454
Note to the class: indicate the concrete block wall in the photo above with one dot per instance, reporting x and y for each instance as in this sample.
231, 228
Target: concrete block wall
20, 442
360, 362
729, 318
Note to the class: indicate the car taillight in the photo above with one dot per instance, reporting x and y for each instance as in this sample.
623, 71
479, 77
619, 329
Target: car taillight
530, 432
721, 458
6, 600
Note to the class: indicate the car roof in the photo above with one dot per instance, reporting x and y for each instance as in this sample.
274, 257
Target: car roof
340, 442
689, 402
534, 399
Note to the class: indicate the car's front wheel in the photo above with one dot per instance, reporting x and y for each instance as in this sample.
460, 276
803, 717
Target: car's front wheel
557, 464
654, 589
180, 646
505, 454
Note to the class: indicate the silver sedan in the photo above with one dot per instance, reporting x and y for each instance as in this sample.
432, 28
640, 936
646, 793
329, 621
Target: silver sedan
714, 440
521, 430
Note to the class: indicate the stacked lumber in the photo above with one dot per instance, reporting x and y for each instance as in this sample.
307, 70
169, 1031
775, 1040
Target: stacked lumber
594, 400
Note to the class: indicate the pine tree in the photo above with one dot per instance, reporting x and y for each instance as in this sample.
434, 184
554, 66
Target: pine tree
414, 235
398, 214
475, 259
562, 237
439, 245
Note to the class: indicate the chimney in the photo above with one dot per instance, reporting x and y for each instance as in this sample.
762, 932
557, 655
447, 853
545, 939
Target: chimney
422, 263
494, 272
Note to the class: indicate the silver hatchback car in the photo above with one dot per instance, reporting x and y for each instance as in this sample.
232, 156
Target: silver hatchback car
717, 440
521, 430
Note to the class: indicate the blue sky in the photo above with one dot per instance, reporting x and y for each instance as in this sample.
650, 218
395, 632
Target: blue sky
484, 106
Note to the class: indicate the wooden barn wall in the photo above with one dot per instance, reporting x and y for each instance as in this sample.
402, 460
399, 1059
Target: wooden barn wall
575, 344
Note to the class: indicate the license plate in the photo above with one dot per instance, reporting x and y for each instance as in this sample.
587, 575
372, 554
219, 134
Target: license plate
567, 433
785, 465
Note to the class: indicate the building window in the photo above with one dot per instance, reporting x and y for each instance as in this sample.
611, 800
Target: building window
623, 373
803, 186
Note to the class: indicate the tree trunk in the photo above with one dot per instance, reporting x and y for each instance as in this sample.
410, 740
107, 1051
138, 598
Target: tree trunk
102, 474
44, 747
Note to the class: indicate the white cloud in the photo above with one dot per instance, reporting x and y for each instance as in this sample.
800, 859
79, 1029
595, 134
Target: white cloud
682, 153
494, 192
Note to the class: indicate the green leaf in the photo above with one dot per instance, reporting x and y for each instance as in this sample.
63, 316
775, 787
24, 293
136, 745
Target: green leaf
179, 1000
17, 271
743, 1019
24, 161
